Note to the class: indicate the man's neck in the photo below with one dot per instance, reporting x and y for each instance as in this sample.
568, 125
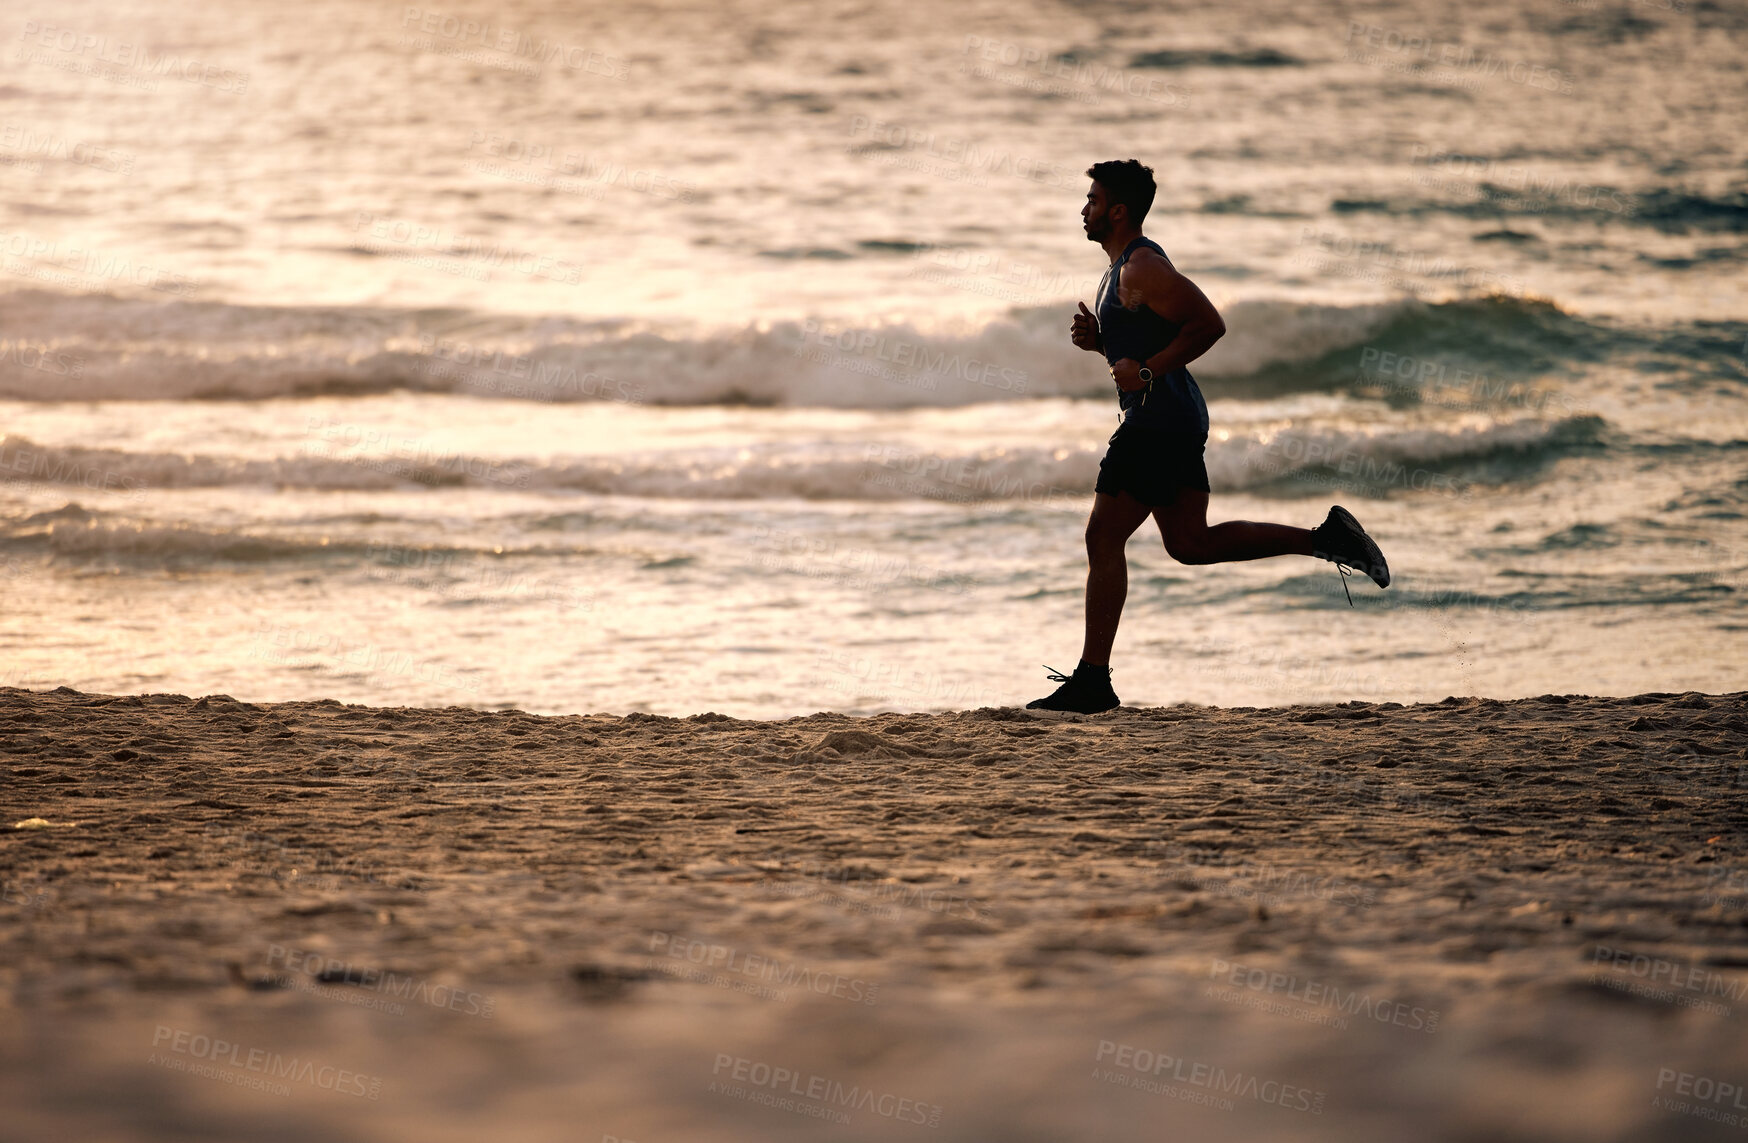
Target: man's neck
1119, 242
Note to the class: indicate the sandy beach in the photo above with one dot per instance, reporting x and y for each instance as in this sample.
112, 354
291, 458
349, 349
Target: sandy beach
384, 387
1462, 920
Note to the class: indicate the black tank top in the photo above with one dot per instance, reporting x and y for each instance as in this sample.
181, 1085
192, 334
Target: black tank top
1173, 401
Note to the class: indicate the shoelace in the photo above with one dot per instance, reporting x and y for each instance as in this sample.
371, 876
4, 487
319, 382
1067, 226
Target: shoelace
1056, 676
1323, 545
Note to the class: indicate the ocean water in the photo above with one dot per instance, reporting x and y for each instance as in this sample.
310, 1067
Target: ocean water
680, 357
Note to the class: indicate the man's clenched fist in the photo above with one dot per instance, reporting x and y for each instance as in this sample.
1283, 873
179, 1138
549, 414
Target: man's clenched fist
1085, 331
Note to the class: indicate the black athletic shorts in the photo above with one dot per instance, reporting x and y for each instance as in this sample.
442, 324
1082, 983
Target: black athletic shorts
1151, 464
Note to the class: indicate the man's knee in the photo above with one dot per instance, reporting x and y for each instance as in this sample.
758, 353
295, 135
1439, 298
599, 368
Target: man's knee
1104, 542
1190, 549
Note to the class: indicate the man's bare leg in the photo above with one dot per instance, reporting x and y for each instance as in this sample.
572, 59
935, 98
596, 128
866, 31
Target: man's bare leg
1113, 520
1183, 524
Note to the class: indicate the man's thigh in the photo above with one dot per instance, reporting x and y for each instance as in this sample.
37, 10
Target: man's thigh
1184, 518
1114, 518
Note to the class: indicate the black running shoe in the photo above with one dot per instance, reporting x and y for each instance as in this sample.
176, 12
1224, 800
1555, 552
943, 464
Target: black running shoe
1341, 540
1087, 691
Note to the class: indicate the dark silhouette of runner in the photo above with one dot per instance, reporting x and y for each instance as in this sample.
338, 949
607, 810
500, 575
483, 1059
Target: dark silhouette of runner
1150, 322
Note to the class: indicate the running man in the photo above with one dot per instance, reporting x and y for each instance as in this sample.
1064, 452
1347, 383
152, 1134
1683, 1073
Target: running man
1150, 323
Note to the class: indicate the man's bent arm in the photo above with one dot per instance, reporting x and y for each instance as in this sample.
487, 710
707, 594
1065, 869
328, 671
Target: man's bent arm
1178, 300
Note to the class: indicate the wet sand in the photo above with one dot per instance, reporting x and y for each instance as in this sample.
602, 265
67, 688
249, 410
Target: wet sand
1465, 920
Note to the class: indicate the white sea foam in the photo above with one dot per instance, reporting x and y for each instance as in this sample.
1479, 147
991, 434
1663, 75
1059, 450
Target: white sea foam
864, 470
94, 347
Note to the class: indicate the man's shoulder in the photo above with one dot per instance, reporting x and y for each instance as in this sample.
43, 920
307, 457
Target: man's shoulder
1149, 257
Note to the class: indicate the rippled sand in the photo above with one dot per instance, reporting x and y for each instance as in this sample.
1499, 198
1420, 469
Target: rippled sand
1463, 920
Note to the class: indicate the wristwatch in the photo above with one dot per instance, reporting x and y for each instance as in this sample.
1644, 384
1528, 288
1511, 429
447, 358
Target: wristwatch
1146, 374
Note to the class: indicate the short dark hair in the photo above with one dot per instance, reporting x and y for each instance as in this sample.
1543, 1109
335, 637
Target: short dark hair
1128, 182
